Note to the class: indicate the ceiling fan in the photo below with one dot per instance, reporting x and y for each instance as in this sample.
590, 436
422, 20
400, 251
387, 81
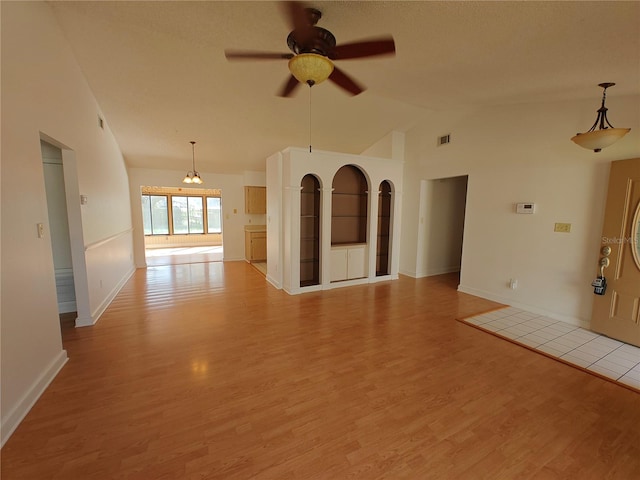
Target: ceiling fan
314, 50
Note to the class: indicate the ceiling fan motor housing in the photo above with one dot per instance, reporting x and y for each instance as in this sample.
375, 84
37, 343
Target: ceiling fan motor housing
311, 40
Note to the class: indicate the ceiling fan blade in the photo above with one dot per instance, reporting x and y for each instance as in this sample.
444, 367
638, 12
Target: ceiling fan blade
344, 81
289, 87
296, 14
364, 48
252, 55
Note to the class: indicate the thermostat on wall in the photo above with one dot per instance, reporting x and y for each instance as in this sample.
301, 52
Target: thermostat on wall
525, 207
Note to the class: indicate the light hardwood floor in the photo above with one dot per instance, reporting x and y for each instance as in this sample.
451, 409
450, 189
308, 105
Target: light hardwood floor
205, 371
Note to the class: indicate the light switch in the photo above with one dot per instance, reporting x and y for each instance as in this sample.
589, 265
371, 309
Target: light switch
40, 230
562, 227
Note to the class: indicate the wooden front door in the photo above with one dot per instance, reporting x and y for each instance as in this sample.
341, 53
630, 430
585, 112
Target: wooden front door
617, 312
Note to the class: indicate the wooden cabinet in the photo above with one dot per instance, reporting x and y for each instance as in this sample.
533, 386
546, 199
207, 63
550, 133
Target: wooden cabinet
348, 262
255, 200
255, 246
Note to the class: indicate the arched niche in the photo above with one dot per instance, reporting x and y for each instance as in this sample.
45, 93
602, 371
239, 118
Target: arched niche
349, 206
310, 208
383, 244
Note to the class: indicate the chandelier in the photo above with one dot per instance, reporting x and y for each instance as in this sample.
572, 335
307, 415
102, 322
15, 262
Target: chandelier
192, 176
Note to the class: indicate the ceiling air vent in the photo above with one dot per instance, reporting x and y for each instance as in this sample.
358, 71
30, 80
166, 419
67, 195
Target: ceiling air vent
444, 139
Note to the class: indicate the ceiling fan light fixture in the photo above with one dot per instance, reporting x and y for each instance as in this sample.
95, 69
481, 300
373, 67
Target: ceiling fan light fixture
310, 68
606, 134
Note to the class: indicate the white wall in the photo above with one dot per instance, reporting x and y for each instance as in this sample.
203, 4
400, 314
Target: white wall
232, 195
58, 107
522, 153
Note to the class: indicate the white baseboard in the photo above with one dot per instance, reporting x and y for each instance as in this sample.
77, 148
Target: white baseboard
17, 413
274, 282
97, 313
408, 273
524, 306
383, 278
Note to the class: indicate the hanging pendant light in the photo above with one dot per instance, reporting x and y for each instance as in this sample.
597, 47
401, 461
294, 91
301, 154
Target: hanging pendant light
606, 134
192, 176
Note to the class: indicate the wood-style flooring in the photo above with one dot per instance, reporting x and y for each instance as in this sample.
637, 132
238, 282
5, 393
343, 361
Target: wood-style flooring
205, 371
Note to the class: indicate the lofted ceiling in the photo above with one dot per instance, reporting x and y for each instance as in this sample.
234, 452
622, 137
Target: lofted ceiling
159, 73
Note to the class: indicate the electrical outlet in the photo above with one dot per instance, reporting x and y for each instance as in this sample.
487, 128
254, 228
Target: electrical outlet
562, 227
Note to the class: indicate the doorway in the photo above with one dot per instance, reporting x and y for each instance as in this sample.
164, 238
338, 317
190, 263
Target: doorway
58, 226
182, 225
69, 236
441, 228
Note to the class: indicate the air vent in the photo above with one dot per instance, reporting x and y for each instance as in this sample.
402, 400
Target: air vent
100, 122
444, 139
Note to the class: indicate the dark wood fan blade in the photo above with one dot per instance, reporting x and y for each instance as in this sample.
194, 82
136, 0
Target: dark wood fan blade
289, 87
344, 81
296, 15
364, 48
252, 55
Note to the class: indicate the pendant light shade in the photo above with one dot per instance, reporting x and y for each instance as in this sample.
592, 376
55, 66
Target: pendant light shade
310, 68
606, 134
192, 176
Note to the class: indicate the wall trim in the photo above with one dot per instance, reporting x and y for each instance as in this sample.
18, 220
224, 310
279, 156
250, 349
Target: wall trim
524, 306
29, 399
408, 273
273, 282
438, 271
97, 313
90, 246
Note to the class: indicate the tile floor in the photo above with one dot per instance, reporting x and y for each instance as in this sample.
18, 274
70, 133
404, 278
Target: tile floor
594, 352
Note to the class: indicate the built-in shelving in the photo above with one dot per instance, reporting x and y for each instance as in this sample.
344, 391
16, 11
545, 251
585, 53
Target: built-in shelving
384, 229
309, 231
349, 207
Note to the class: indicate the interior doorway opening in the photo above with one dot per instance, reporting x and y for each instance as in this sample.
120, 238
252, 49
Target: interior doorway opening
441, 234
58, 226
182, 225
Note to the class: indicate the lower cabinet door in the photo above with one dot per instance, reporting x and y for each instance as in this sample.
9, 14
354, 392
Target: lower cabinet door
348, 262
259, 246
355, 262
338, 264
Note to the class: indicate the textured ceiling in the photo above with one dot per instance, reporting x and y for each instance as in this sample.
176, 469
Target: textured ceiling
159, 72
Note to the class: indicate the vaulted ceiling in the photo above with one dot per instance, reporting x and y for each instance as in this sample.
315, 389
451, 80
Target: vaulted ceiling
159, 72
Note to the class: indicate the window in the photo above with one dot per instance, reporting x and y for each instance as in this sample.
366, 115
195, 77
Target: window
155, 215
189, 214
214, 215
